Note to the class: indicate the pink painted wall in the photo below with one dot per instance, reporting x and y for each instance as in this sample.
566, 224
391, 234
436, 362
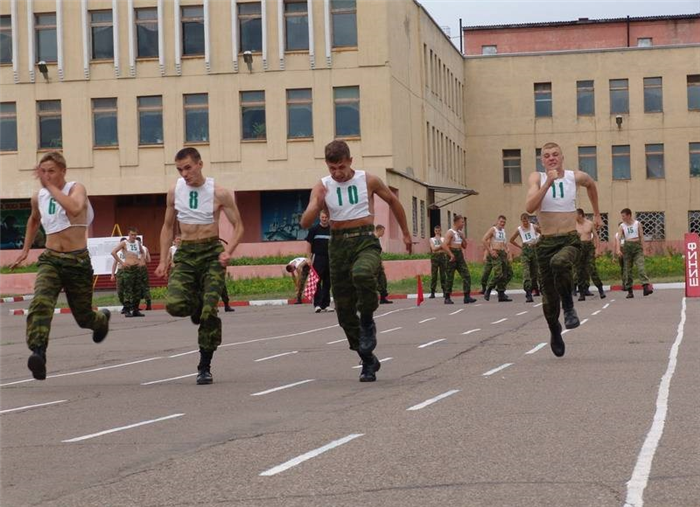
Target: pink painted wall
581, 36
19, 284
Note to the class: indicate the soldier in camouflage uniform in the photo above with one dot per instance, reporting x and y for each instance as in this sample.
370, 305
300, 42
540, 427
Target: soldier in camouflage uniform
496, 245
65, 212
117, 278
454, 245
552, 195
632, 253
529, 234
438, 262
199, 266
587, 270
355, 254
486, 274
132, 251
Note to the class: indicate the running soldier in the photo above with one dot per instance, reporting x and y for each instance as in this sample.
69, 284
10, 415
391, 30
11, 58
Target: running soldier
553, 196
382, 283
132, 251
438, 262
496, 245
63, 208
199, 272
486, 274
299, 268
355, 254
528, 233
632, 253
587, 270
454, 245
143, 278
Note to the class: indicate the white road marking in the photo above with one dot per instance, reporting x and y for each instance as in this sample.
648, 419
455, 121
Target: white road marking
85, 371
521, 313
584, 321
390, 330
7, 411
167, 379
276, 356
606, 305
596, 312
311, 454
640, 476
183, 354
538, 304
472, 331
496, 370
121, 428
565, 331
499, 321
431, 343
478, 304
433, 400
427, 320
280, 388
536, 348
336, 341
386, 359
456, 312
612, 300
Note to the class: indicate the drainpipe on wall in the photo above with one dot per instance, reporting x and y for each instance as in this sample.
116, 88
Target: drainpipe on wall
461, 34
628, 31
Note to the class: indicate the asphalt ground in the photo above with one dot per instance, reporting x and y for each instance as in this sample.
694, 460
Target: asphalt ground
469, 409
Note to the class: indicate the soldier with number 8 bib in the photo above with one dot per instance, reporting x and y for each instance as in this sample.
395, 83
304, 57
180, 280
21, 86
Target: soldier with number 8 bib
348, 196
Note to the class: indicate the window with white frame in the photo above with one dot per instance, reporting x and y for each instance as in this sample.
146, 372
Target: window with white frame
588, 161
511, 166
296, 25
192, 30
45, 31
621, 165
543, 100
655, 161
347, 111
250, 26
5, 39
653, 95
147, 32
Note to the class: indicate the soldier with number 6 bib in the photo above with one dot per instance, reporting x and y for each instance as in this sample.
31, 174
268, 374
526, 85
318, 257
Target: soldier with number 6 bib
199, 270
348, 196
552, 195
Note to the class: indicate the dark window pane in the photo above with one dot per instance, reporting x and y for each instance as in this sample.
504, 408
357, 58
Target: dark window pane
196, 125
5, 39
585, 98
101, 16
102, 43
150, 127
619, 96
694, 92
46, 19
50, 135
543, 99
147, 14
295, 6
147, 40
105, 129
347, 119
345, 30
511, 166
300, 122
621, 163
695, 159
655, 161
538, 160
8, 126
587, 161
253, 122
192, 38
46, 45
653, 96
248, 97
249, 8
251, 34
297, 33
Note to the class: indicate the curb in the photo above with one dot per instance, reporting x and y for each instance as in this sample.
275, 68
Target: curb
17, 299
285, 302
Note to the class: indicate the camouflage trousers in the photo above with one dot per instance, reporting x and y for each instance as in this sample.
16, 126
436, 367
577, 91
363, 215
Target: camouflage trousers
459, 265
528, 259
144, 284
488, 267
303, 276
120, 286
195, 285
438, 265
131, 281
502, 271
556, 257
355, 257
632, 255
73, 273
382, 284
587, 270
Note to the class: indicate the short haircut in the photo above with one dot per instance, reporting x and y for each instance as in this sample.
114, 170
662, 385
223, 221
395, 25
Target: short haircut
502, 216
133, 229
580, 212
289, 268
379, 227
525, 216
190, 152
323, 212
626, 211
336, 151
56, 157
548, 146
456, 218
438, 226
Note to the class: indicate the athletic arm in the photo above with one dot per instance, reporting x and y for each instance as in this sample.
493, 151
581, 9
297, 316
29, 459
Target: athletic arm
378, 187
166, 232
447, 243
116, 250
317, 203
584, 180
74, 203
596, 240
514, 237
228, 206
486, 241
33, 224
618, 247
641, 238
535, 192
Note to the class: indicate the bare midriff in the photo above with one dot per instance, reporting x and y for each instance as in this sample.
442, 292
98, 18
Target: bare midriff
351, 224
68, 240
552, 223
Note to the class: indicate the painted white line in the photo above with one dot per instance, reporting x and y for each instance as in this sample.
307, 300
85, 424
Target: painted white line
167, 379
478, 305
612, 300
121, 428
496, 370
431, 343
584, 321
276, 355
565, 331
390, 330
7, 411
536, 348
336, 341
183, 354
427, 320
385, 360
311, 454
433, 400
596, 312
606, 305
521, 313
640, 476
472, 331
499, 321
85, 371
538, 304
456, 312
271, 302
280, 388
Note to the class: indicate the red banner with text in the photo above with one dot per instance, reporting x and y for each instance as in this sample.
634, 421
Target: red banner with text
692, 265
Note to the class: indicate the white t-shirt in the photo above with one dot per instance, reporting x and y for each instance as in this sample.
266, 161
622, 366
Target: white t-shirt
499, 236
528, 236
456, 237
296, 262
195, 205
561, 196
53, 216
630, 231
347, 200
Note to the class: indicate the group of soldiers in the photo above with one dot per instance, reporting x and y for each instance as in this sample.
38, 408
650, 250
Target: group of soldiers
130, 270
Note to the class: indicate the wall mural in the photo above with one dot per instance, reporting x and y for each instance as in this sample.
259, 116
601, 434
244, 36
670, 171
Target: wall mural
13, 225
281, 212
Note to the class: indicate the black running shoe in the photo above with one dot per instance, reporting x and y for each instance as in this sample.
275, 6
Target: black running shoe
448, 300
369, 370
487, 294
137, 313
98, 336
469, 299
37, 363
204, 377
556, 342
571, 319
630, 294
647, 289
385, 301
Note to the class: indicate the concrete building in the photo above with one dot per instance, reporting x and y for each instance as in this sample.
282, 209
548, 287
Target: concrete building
260, 88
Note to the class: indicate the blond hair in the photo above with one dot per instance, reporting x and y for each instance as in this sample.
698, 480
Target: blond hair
54, 156
548, 146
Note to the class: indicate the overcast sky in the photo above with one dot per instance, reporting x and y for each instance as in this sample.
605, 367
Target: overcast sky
494, 12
